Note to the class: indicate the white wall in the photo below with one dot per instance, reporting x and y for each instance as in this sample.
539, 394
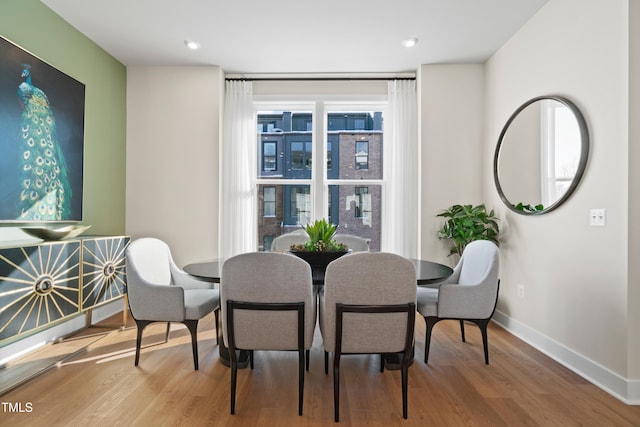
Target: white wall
633, 334
575, 276
451, 133
173, 125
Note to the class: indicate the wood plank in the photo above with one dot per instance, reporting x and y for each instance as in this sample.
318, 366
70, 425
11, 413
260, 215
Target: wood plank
101, 386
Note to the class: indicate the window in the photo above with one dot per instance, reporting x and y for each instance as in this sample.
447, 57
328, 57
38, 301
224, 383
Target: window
560, 140
269, 159
348, 193
301, 156
363, 203
300, 121
267, 241
269, 201
362, 155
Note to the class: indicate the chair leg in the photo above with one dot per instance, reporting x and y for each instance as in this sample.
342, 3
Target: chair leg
216, 312
381, 362
233, 361
326, 363
482, 324
405, 381
462, 330
193, 327
301, 367
251, 358
336, 386
141, 324
308, 352
430, 321
166, 335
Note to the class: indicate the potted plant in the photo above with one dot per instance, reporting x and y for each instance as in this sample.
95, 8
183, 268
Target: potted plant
321, 248
466, 223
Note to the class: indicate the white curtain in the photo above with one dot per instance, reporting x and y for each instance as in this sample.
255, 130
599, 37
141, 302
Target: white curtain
401, 231
238, 227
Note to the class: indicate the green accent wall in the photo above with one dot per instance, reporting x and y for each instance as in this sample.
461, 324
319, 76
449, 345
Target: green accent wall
36, 28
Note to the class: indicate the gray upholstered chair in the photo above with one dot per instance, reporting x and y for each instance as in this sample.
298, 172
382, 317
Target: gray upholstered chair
355, 243
158, 291
469, 294
267, 304
283, 242
368, 307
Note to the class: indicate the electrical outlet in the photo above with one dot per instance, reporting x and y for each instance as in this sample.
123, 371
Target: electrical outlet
597, 217
520, 291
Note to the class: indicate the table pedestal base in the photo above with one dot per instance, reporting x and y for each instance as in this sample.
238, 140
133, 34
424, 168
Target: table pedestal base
392, 360
225, 358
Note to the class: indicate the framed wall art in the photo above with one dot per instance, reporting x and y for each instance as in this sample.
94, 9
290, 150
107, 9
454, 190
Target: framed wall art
41, 140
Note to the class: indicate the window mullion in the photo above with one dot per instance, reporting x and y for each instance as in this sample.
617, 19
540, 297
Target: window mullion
318, 172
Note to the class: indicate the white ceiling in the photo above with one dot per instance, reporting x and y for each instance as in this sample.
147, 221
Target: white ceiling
298, 36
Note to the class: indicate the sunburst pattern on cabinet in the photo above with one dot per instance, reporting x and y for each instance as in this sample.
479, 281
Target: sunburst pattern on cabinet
38, 285
103, 270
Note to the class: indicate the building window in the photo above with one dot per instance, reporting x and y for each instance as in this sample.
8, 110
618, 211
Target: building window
267, 241
362, 155
299, 205
269, 157
301, 121
301, 156
363, 204
269, 201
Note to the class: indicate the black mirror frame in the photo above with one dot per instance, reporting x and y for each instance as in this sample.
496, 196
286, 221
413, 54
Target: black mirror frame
582, 164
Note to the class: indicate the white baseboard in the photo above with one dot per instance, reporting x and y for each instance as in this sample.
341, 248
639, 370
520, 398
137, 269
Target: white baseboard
626, 390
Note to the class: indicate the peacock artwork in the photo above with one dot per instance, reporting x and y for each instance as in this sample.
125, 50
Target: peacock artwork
41, 140
45, 193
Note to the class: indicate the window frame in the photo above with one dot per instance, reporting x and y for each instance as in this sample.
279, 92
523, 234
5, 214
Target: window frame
319, 183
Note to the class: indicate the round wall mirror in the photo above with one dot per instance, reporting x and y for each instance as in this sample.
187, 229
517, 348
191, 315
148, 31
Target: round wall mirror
541, 155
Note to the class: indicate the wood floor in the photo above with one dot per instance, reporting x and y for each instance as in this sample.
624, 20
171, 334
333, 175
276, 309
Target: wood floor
101, 386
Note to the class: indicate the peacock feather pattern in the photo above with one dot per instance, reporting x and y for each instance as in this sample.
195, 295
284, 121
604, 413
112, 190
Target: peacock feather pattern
45, 191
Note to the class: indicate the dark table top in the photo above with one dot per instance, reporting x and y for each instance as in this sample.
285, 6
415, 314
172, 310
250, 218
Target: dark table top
426, 271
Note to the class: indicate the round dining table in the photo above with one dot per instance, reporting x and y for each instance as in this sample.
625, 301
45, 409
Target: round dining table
427, 272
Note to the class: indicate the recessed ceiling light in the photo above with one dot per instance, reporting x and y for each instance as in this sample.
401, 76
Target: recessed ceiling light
193, 45
410, 42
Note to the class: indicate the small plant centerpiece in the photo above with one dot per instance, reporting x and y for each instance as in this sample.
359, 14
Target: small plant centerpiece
466, 223
321, 239
321, 248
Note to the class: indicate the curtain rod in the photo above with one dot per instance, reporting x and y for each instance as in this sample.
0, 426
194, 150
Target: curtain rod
328, 77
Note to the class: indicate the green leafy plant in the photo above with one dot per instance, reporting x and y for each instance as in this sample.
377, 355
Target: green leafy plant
321, 239
529, 208
466, 223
